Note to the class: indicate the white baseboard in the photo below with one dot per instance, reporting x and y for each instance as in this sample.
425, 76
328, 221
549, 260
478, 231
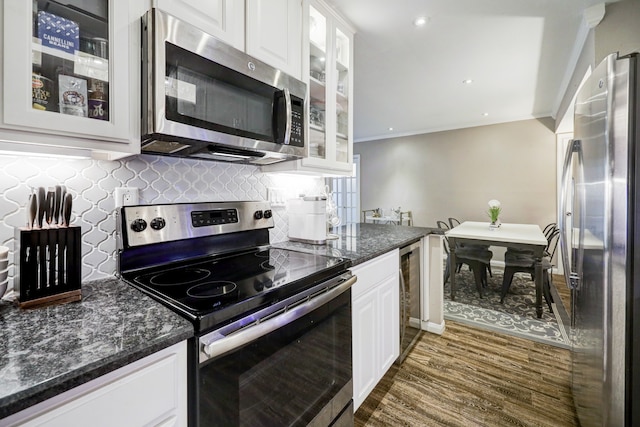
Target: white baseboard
434, 328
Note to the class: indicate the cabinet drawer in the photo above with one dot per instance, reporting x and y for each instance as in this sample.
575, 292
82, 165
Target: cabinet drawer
375, 270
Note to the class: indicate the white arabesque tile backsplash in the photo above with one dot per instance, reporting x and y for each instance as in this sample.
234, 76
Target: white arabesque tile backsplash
159, 179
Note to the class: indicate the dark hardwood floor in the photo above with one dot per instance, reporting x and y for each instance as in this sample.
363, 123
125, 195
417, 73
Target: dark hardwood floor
473, 377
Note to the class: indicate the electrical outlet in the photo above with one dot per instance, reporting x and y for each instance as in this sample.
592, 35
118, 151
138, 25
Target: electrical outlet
126, 196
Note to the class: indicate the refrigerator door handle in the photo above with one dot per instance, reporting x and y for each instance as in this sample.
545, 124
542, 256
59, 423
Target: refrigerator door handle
572, 277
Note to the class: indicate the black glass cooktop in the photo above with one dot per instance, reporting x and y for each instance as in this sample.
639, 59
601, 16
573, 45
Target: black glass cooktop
215, 290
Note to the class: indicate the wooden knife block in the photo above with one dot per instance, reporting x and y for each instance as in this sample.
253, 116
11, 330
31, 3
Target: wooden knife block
49, 270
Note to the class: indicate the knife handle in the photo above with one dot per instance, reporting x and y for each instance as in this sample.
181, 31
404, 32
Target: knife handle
32, 209
50, 205
42, 199
66, 209
57, 204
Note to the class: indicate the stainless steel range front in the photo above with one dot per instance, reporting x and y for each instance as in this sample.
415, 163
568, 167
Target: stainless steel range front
272, 343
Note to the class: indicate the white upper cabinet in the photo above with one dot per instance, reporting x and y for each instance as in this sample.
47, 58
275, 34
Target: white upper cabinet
269, 30
68, 75
327, 68
223, 19
274, 33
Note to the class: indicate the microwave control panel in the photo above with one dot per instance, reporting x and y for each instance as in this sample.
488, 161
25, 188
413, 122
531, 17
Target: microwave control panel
297, 123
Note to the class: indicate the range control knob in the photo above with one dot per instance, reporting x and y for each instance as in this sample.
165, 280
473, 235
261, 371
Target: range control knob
257, 215
158, 223
139, 225
268, 214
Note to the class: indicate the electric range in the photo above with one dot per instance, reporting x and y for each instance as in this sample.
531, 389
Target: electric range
253, 307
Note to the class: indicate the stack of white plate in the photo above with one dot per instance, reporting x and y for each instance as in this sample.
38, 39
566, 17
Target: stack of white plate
4, 269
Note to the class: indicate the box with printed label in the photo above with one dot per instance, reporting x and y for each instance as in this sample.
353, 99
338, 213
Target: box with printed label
58, 33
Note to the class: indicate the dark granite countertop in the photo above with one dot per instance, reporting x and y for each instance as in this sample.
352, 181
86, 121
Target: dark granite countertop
46, 351
362, 242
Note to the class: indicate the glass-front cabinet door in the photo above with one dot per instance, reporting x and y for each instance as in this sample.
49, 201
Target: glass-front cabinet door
66, 68
328, 67
342, 74
317, 83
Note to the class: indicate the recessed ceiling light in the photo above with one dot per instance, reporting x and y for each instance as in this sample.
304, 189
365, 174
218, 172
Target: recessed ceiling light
390, 128
420, 21
467, 81
485, 114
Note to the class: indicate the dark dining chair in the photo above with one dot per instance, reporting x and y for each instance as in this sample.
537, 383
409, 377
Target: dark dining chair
478, 261
525, 263
444, 226
453, 222
548, 230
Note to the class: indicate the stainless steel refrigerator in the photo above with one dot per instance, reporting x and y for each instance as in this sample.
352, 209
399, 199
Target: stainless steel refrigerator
600, 244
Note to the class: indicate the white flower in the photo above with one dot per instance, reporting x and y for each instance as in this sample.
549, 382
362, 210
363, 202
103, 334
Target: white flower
494, 210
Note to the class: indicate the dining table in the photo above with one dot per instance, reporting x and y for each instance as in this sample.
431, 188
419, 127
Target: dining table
519, 236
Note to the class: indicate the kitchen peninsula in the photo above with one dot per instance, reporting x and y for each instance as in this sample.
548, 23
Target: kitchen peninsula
363, 242
48, 351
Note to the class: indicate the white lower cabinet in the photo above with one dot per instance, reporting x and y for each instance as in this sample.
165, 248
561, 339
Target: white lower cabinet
149, 392
376, 322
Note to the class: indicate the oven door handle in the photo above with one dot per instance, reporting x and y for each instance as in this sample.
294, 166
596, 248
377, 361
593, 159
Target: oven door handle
223, 344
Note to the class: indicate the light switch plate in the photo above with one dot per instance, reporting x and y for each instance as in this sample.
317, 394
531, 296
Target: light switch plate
276, 196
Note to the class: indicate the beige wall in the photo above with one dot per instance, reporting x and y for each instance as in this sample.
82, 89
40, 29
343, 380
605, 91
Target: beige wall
617, 32
455, 173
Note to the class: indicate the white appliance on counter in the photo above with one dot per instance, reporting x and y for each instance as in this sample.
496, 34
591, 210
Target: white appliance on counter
308, 219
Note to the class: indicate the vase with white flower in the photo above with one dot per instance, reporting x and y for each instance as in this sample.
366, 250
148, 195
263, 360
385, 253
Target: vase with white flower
494, 213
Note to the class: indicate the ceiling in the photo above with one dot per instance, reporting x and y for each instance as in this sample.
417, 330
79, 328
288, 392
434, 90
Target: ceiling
517, 52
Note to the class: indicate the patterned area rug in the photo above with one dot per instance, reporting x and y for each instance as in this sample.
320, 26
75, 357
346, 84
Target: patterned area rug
517, 316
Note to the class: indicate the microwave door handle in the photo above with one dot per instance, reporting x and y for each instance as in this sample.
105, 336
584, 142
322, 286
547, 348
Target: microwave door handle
287, 131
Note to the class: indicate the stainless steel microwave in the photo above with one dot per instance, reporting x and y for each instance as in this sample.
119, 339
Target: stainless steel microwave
205, 99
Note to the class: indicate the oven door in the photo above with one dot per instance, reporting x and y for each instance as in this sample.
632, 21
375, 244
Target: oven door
287, 370
199, 88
